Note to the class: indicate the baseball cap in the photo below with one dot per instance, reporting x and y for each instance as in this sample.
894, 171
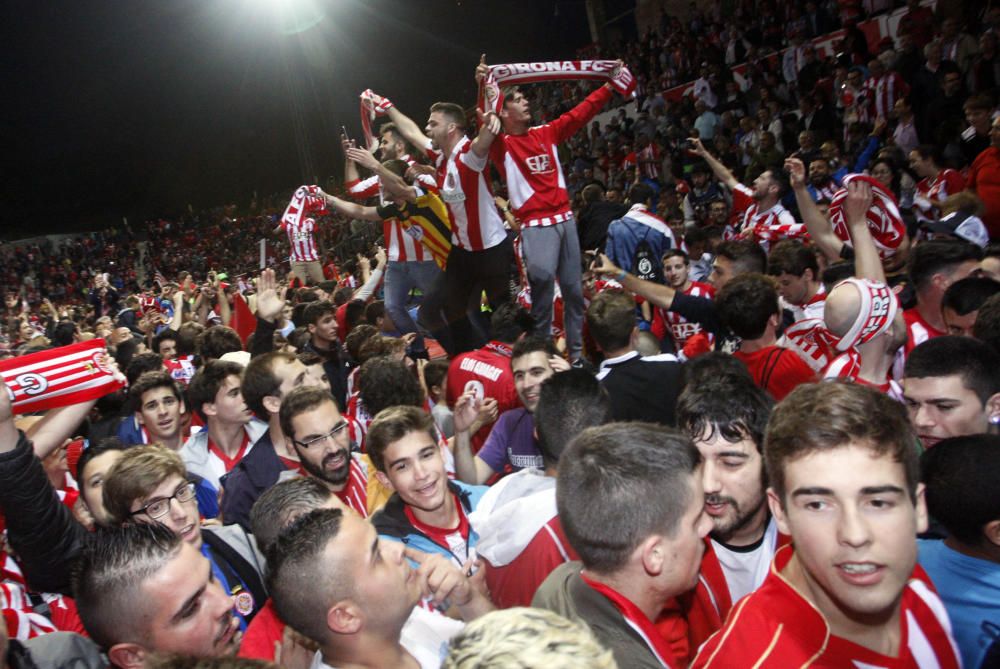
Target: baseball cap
963, 226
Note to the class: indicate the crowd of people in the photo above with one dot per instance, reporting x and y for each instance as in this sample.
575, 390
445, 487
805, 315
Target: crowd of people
715, 383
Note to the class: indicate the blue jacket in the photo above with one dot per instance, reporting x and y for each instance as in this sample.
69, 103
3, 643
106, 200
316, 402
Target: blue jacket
258, 471
625, 234
391, 521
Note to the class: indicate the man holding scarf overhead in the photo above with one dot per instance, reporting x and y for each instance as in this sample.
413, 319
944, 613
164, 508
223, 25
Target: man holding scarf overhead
528, 159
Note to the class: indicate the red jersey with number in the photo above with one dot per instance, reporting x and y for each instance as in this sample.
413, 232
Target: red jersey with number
776, 627
487, 371
530, 164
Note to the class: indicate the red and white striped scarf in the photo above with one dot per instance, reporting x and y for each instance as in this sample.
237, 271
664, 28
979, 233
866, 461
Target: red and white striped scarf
60, 376
839, 356
369, 111
306, 200
884, 220
609, 71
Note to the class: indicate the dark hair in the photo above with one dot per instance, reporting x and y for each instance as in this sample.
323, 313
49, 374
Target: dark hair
817, 417
746, 303
452, 112
602, 475
976, 363
611, 319
792, 257
533, 344
147, 382
748, 257
384, 382
317, 310
987, 326
435, 373
165, 335
509, 321
109, 578
142, 363
931, 151
300, 578
216, 341
713, 365
63, 333
260, 381
968, 294
207, 381
836, 273
102, 446
734, 409
375, 310
391, 128
675, 252
961, 475
187, 338
354, 314
299, 401
640, 194
356, 338
569, 402
281, 504
939, 256
393, 424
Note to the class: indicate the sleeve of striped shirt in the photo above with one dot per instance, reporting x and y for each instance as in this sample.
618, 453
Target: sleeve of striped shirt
362, 189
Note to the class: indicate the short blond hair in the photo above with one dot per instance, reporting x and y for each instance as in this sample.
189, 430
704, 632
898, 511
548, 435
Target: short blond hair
523, 638
136, 474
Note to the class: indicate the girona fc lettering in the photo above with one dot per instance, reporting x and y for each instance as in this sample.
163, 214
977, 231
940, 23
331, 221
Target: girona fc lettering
539, 164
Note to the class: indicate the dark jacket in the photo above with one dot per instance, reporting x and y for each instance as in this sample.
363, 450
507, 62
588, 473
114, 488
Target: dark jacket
641, 388
391, 521
48, 539
255, 473
565, 593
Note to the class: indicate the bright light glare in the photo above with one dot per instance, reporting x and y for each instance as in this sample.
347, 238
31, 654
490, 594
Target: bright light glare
291, 17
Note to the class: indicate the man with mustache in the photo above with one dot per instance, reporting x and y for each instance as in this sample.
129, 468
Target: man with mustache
321, 437
726, 418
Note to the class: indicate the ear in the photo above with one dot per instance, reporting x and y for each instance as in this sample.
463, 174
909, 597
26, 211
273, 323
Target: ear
653, 554
139, 418
344, 617
921, 508
127, 656
808, 275
311, 328
774, 320
778, 511
991, 531
272, 403
384, 480
993, 409
208, 408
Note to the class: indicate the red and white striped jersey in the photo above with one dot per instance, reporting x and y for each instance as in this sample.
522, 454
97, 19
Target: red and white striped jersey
679, 328
355, 493
466, 190
301, 242
306, 200
18, 614
531, 168
400, 246
932, 192
772, 225
775, 627
883, 92
918, 330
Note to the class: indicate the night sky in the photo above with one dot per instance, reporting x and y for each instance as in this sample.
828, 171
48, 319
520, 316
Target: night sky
137, 108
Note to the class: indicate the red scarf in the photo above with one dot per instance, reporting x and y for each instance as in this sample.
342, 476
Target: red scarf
60, 376
609, 71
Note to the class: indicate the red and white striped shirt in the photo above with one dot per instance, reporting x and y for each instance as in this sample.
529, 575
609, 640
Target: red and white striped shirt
300, 239
400, 246
531, 168
932, 192
18, 614
466, 191
776, 627
767, 226
883, 92
355, 493
680, 328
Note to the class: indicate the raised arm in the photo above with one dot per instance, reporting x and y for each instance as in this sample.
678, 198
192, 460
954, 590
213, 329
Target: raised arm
488, 131
56, 426
406, 126
867, 264
395, 186
721, 172
659, 294
351, 209
820, 230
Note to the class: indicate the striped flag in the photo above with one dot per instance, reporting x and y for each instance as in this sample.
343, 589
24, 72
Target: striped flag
60, 376
158, 278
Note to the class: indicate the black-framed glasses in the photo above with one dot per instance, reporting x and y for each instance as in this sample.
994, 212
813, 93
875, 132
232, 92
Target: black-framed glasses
315, 441
160, 507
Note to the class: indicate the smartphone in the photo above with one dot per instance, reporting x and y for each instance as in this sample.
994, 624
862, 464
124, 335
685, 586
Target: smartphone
343, 131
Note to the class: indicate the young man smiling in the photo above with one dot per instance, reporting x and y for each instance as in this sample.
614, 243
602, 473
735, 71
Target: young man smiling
426, 511
843, 468
159, 413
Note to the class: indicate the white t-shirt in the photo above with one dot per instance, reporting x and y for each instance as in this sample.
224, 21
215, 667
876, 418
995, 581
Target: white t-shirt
746, 570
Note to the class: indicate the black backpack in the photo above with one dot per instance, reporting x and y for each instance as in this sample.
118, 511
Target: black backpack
645, 264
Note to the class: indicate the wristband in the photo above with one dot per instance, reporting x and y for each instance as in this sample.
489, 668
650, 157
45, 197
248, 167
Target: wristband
620, 277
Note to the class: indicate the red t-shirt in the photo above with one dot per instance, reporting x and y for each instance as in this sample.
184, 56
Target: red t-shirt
777, 370
262, 633
918, 330
515, 584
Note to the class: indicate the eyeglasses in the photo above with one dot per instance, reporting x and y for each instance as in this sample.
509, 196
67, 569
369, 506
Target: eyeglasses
337, 429
159, 507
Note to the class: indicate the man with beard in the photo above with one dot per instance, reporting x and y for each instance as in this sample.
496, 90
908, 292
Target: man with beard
726, 419
822, 186
676, 266
312, 424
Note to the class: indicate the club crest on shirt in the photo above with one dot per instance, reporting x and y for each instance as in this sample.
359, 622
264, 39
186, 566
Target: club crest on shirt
539, 164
